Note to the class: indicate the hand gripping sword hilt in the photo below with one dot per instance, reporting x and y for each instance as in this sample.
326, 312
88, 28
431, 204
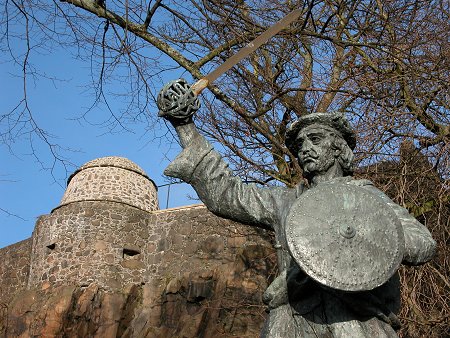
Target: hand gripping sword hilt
177, 100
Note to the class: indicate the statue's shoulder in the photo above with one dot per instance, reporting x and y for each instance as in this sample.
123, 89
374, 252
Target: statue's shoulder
350, 180
360, 182
367, 184
299, 189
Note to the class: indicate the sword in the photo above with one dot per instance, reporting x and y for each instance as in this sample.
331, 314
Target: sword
186, 101
245, 51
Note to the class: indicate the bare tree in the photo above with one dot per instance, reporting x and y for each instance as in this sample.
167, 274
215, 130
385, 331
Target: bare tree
412, 182
384, 63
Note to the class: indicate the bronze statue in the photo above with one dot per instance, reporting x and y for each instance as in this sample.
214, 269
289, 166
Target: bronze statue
339, 241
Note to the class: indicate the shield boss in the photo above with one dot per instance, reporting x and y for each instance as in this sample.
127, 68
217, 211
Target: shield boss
345, 237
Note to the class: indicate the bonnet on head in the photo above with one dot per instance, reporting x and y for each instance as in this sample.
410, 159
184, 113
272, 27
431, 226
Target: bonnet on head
335, 120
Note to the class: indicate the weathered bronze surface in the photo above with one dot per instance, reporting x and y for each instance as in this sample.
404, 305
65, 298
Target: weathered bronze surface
339, 240
177, 101
344, 237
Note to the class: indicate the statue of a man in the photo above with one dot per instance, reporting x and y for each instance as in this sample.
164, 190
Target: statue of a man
299, 305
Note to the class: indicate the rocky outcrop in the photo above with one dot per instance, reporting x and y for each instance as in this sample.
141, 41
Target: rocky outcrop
224, 302
107, 263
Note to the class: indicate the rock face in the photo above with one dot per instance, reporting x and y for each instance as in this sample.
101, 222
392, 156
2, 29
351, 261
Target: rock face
215, 292
102, 265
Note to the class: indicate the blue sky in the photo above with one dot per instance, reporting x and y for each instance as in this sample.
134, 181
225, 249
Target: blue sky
26, 189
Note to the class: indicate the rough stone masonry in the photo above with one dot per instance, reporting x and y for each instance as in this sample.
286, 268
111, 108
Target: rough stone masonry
106, 262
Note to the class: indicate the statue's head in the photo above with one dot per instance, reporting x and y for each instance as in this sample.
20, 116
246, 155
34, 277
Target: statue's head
320, 141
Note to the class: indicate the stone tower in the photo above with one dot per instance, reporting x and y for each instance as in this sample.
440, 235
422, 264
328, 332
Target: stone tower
98, 231
114, 179
107, 263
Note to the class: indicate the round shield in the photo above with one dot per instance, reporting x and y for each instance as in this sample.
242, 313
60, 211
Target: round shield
345, 237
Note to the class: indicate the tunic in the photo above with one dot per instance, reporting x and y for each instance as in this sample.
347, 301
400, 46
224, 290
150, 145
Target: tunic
299, 306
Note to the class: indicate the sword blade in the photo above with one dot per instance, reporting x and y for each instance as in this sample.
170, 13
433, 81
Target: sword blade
246, 51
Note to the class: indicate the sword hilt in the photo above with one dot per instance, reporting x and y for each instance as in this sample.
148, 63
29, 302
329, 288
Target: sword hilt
198, 87
177, 100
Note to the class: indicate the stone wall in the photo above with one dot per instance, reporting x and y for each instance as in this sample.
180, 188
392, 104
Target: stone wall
107, 263
14, 267
83, 242
115, 245
104, 269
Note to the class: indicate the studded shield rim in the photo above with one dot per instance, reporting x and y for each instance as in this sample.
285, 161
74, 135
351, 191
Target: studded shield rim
345, 237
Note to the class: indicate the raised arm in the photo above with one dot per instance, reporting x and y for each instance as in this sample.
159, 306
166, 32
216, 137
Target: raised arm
222, 192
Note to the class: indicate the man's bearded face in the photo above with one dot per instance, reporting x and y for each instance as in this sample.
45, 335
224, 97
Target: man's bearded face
316, 152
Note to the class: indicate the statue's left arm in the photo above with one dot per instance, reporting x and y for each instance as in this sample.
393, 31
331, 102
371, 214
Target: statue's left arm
419, 245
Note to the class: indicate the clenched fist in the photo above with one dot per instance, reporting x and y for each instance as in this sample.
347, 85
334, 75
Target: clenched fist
177, 102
